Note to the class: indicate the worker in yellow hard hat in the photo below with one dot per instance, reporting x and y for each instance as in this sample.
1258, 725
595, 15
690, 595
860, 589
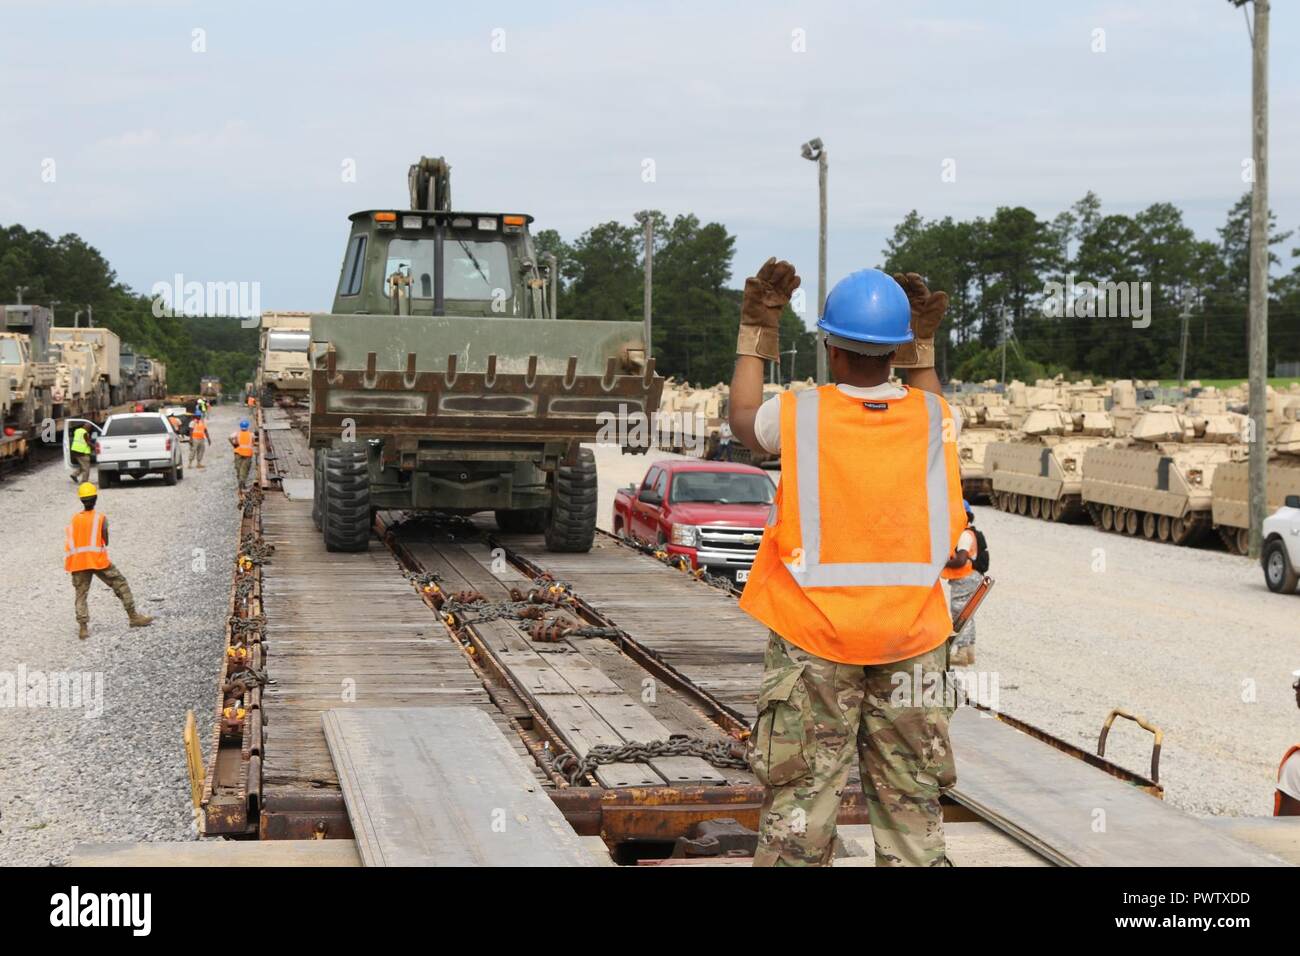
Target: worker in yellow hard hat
85, 550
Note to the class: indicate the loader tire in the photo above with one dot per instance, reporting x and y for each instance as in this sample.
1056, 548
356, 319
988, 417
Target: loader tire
345, 506
572, 524
318, 488
522, 520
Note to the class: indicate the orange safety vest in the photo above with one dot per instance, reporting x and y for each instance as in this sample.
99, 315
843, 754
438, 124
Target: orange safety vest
867, 513
244, 444
951, 574
251, 401
1277, 794
198, 431
84, 547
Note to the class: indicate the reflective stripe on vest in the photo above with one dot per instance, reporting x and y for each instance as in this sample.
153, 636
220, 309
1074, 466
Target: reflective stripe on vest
245, 444
810, 572
85, 551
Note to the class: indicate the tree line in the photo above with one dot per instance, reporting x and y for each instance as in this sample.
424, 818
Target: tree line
997, 271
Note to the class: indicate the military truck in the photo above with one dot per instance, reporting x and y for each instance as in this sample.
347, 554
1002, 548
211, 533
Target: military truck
1158, 484
105, 354
282, 368
441, 382
25, 367
1042, 474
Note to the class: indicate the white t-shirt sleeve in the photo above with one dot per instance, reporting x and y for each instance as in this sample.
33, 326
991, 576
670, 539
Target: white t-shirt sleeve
1289, 780
966, 541
767, 425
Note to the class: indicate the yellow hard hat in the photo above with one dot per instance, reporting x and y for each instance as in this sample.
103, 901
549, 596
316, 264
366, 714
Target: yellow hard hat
87, 490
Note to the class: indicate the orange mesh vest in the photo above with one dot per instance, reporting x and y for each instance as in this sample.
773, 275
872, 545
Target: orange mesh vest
966, 570
244, 444
1277, 794
83, 547
867, 513
198, 431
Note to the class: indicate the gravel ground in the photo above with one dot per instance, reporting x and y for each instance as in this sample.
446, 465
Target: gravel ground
68, 775
1081, 621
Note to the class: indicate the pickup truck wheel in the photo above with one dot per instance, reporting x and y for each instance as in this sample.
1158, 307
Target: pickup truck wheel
317, 487
108, 479
345, 510
169, 476
522, 520
1280, 577
180, 473
572, 525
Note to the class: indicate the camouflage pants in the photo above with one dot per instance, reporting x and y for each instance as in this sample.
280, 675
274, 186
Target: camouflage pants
814, 715
197, 448
83, 467
959, 592
110, 576
242, 464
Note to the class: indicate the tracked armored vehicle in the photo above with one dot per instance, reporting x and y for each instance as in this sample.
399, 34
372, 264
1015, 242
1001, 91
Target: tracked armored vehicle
1230, 487
985, 420
442, 382
1041, 475
1158, 483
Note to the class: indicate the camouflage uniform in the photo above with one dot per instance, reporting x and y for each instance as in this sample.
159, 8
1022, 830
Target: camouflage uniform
813, 715
110, 576
242, 465
959, 592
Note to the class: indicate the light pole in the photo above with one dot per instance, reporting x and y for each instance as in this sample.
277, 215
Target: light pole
20, 290
815, 151
648, 222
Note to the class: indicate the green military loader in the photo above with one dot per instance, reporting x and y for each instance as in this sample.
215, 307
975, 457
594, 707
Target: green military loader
443, 382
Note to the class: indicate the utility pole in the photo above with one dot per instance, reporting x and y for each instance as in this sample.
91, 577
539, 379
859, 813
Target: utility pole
1004, 345
76, 319
20, 290
1259, 277
90, 316
649, 223
1182, 348
814, 150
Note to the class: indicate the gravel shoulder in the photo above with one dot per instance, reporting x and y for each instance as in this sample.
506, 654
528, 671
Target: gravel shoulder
1081, 621
67, 774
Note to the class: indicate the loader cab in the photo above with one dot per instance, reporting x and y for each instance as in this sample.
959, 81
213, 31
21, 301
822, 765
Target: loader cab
441, 263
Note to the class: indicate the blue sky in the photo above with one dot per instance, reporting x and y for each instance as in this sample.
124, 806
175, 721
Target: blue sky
225, 165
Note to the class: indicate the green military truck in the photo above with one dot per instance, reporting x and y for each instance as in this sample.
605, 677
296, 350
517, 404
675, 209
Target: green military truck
442, 381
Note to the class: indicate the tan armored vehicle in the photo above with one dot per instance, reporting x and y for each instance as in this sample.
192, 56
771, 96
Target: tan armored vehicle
1230, 488
283, 369
1041, 475
985, 420
1158, 483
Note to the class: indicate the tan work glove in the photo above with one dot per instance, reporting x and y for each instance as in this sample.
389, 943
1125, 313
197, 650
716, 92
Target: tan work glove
766, 296
927, 312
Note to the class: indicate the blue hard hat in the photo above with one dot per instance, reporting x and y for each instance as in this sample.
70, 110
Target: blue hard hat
868, 306
966, 504
243, 423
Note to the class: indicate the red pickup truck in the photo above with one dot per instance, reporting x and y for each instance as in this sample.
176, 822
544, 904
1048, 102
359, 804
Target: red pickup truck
713, 512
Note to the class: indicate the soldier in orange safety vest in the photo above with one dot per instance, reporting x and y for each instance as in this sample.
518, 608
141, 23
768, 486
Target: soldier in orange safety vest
199, 440
243, 443
847, 578
1286, 798
85, 550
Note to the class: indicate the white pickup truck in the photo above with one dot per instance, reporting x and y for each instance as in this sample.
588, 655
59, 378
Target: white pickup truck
136, 444
1280, 555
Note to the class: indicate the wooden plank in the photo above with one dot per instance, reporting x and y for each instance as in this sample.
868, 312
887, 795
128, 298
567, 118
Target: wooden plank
441, 786
1075, 814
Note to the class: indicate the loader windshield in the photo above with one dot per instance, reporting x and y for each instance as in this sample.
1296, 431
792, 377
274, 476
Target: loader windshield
10, 354
473, 269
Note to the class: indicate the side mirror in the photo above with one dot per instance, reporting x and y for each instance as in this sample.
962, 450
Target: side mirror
1292, 501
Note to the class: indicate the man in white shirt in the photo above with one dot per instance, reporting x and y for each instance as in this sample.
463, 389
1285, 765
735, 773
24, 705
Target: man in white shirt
960, 589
